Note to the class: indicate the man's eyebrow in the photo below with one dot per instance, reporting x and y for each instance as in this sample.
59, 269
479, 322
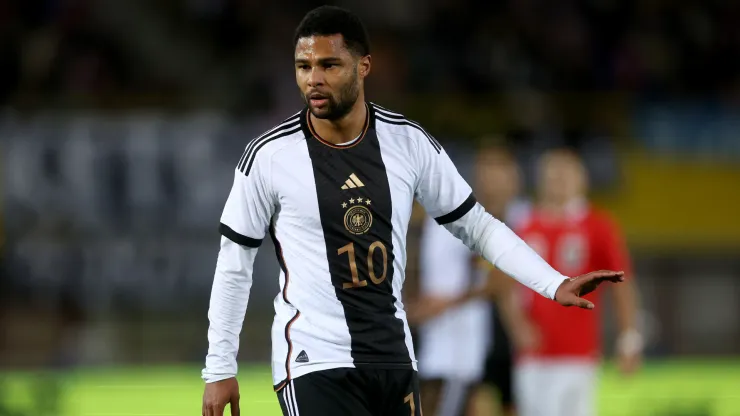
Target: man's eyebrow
326, 60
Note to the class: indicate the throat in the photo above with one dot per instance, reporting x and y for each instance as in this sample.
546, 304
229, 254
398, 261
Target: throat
342, 132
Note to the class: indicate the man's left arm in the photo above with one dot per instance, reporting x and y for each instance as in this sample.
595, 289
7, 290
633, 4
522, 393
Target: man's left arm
448, 198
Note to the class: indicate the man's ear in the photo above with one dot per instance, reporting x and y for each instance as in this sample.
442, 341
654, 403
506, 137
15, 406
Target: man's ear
365, 65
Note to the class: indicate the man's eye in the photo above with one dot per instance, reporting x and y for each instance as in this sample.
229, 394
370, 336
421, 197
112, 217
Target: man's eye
303, 67
327, 66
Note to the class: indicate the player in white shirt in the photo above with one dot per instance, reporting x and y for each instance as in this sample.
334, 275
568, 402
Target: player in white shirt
452, 346
333, 185
467, 345
500, 185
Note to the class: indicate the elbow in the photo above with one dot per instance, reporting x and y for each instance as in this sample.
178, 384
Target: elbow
476, 228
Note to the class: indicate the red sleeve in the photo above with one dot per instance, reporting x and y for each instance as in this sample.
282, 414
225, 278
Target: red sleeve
614, 252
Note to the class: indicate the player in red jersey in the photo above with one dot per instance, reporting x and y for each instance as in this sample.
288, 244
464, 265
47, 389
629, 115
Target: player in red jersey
556, 374
558, 377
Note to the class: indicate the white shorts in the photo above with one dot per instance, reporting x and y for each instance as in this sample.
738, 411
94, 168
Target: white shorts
453, 346
555, 388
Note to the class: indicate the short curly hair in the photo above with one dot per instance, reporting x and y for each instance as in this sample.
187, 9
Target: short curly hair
331, 20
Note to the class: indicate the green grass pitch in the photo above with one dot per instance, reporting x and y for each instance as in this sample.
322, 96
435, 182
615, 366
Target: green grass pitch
662, 388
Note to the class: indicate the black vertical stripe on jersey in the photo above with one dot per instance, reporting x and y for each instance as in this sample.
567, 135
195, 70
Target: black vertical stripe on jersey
377, 336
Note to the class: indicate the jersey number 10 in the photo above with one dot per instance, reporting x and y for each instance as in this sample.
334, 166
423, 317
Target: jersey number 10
356, 282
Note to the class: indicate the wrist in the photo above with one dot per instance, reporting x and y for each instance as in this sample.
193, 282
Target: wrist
555, 287
216, 377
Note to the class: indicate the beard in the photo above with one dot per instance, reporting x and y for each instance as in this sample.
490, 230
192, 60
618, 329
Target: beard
338, 105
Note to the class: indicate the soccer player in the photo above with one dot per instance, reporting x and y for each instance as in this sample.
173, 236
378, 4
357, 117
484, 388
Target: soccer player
452, 347
500, 185
559, 377
469, 344
333, 185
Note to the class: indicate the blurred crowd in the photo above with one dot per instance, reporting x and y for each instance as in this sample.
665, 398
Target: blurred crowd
94, 174
236, 53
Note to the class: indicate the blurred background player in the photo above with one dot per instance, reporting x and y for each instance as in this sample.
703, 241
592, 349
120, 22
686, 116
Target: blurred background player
467, 343
452, 346
558, 377
499, 180
555, 372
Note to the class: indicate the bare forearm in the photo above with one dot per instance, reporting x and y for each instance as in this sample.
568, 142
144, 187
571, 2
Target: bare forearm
626, 305
471, 295
630, 341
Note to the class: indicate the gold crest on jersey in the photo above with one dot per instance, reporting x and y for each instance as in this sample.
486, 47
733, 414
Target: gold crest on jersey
358, 219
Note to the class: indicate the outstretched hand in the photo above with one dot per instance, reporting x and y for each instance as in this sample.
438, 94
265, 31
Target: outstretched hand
571, 291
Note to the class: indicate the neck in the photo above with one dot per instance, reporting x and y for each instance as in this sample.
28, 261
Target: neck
553, 208
344, 129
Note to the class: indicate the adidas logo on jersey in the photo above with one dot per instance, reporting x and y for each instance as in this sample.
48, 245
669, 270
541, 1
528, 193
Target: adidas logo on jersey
353, 182
302, 357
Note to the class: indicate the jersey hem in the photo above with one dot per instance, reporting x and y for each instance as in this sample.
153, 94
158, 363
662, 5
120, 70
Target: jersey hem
304, 369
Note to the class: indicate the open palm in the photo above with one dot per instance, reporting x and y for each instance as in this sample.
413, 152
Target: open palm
571, 291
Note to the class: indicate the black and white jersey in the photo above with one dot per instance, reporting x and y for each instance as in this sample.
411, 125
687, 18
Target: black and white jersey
338, 216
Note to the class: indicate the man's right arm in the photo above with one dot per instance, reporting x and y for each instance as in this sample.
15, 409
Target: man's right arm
229, 296
244, 223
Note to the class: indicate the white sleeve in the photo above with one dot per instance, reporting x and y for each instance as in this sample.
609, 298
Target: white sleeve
445, 195
493, 240
229, 297
244, 223
448, 198
249, 208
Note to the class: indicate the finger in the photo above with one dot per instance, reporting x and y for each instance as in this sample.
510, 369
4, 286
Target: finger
568, 299
584, 304
613, 279
604, 275
593, 280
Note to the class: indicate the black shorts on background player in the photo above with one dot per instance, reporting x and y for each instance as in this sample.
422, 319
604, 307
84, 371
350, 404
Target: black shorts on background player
352, 392
499, 363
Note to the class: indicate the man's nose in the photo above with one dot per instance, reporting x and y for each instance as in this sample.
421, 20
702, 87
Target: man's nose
316, 77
